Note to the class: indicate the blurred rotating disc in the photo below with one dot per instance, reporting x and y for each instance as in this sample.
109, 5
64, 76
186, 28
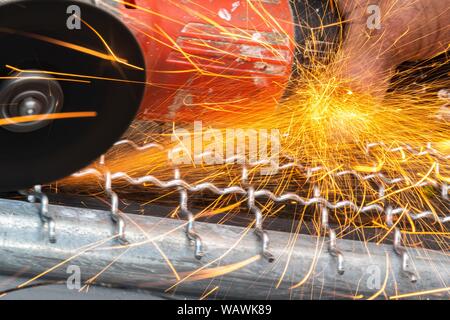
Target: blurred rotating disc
63, 57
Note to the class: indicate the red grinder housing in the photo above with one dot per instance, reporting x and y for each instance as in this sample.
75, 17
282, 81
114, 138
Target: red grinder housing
203, 56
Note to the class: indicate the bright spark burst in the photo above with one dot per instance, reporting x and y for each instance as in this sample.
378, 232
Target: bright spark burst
323, 124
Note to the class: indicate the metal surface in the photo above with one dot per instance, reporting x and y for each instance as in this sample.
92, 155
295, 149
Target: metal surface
321, 202
58, 291
232, 260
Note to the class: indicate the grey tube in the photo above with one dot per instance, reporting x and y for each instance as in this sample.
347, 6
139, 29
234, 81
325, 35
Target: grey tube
231, 259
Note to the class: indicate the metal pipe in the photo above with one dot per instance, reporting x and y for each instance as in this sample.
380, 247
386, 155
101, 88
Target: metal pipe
231, 262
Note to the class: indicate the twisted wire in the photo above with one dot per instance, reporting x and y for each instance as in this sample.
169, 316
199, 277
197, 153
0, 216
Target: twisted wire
247, 190
36, 194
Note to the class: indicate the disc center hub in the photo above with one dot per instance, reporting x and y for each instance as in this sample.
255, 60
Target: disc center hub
29, 94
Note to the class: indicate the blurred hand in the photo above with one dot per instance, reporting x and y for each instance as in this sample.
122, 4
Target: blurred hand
408, 30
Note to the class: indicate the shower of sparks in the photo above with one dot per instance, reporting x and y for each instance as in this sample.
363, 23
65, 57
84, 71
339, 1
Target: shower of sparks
52, 116
336, 137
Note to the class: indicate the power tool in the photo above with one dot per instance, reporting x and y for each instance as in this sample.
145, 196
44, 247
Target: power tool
74, 74
224, 52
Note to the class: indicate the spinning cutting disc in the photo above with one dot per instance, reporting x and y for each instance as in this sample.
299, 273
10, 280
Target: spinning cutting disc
69, 58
